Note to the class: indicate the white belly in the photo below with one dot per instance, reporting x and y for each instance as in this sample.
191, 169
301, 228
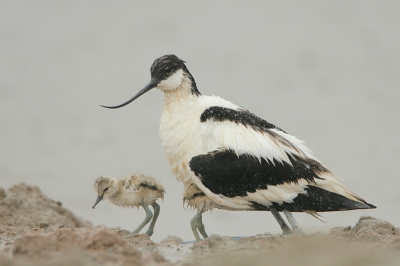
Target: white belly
181, 139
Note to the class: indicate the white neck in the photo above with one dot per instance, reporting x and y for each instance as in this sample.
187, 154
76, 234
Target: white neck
179, 95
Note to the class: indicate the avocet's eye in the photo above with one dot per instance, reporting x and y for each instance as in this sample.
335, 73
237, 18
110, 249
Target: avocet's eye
105, 189
168, 70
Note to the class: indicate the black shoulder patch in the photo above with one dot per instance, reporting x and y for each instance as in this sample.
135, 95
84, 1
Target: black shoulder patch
241, 116
223, 172
316, 199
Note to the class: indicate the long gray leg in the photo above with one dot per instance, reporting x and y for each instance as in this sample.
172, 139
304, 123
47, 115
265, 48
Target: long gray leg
156, 208
200, 226
285, 228
193, 225
146, 220
293, 223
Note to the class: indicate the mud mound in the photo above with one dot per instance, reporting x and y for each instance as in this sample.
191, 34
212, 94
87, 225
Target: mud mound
141, 240
23, 205
75, 246
376, 232
93, 246
370, 242
300, 251
35, 230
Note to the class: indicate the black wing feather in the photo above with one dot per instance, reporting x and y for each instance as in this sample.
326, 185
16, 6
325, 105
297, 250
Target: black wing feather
223, 172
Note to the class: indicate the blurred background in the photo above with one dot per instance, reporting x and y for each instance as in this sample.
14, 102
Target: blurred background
324, 71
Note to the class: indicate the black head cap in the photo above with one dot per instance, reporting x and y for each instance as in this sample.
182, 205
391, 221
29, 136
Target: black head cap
161, 69
166, 65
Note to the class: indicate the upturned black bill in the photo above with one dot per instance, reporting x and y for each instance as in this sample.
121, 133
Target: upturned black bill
153, 83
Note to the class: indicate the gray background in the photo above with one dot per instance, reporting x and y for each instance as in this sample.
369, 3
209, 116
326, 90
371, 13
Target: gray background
324, 71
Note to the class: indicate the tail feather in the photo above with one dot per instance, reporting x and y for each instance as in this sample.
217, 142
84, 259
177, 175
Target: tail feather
324, 200
315, 215
318, 200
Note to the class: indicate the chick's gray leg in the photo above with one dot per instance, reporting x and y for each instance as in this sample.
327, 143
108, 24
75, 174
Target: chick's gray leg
156, 208
146, 220
194, 225
293, 223
200, 226
285, 228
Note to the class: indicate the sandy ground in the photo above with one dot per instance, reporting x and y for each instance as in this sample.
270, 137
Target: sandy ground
36, 230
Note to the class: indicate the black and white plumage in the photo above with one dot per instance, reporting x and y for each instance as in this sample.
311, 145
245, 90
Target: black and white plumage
238, 160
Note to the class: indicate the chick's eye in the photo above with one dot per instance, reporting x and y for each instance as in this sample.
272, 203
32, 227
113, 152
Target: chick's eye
105, 189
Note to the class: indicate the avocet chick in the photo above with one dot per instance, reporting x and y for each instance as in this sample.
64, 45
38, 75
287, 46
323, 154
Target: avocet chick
195, 198
133, 191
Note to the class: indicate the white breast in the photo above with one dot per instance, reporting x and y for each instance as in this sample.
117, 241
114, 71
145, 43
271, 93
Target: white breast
181, 130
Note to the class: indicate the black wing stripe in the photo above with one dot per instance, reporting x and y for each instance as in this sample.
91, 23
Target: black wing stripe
223, 172
241, 116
